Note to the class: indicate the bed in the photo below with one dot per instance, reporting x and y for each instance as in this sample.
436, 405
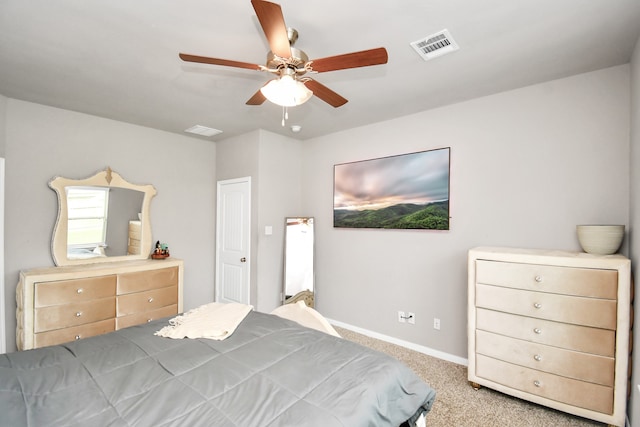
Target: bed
271, 372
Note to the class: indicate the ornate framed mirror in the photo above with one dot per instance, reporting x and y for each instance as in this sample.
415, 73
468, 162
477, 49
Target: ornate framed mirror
102, 218
299, 275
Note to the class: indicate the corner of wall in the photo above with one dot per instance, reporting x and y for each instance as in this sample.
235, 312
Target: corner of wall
3, 124
634, 220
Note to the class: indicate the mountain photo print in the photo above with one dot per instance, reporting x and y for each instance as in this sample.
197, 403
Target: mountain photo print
407, 191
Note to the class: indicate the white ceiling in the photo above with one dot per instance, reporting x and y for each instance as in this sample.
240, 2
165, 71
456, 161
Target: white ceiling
119, 59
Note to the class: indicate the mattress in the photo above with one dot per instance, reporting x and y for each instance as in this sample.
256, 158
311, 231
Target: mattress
272, 372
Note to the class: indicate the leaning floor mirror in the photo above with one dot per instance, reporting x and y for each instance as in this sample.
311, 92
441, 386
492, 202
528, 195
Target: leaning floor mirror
299, 280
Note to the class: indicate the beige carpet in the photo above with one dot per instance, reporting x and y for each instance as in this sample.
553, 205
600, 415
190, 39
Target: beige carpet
458, 404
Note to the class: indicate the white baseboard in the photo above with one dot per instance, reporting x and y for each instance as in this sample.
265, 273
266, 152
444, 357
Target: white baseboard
419, 348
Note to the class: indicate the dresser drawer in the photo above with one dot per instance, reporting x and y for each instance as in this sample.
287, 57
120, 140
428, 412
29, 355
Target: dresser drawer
568, 363
77, 290
147, 300
147, 316
60, 336
599, 313
586, 395
63, 316
587, 282
145, 280
565, 335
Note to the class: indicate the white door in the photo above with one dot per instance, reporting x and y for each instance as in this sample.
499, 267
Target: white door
233, 238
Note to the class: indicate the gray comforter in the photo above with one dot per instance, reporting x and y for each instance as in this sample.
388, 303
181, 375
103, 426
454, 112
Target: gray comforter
270, 372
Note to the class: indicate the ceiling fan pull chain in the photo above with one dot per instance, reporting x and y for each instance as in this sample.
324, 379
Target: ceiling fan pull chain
285, 115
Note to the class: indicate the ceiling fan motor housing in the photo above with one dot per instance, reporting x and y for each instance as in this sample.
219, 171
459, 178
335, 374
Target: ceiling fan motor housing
297, 61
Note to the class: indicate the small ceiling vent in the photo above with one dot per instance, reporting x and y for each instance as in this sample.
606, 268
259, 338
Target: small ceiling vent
435, 45
203, 130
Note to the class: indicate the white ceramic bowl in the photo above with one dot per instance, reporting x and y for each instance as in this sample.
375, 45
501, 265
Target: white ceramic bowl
600, 239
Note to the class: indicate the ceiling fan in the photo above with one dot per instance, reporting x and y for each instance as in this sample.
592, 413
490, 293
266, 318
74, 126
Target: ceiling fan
291, 64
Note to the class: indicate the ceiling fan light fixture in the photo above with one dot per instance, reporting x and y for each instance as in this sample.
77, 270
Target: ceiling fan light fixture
286, 91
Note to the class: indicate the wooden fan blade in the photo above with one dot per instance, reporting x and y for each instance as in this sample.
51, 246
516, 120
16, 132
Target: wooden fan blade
324, 93
364, 58
217, 61
272, 22
257, 98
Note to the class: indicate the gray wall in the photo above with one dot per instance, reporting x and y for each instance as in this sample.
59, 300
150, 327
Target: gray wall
279, 197
124, 206
3, 123
274, 164
238, 157
42, 142
635, 222
527, 166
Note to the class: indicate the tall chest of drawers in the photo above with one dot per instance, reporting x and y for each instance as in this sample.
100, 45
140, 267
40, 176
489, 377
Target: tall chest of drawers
551, 327
61, 304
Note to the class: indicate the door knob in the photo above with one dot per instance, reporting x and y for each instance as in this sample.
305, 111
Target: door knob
243, 259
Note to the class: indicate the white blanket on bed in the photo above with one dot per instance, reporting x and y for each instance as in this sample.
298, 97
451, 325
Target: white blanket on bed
214, 321
306, 316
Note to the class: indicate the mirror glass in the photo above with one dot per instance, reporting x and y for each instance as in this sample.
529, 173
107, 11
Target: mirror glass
101, 219
299, 277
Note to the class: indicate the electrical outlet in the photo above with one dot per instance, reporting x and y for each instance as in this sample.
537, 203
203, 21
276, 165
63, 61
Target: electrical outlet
411, 318
401, 317
436, 323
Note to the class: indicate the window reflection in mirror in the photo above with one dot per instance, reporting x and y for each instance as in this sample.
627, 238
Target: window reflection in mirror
115, 226
103, 221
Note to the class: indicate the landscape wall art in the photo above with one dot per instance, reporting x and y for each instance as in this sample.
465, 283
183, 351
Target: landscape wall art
407, 191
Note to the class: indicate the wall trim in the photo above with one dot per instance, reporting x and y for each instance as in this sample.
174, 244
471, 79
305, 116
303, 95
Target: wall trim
412, 346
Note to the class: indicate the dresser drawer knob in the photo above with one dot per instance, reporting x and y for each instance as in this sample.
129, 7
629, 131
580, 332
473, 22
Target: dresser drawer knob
79, 291
150, 299
538, 279
537, 357
537, 305
149, 320
537, 331
78, 314
77, 337
537, 383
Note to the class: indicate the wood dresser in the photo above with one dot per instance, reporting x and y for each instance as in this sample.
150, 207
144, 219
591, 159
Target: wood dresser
552, 327
61, 304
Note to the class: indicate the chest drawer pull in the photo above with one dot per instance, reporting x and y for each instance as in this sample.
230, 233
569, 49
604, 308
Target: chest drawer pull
78, 314
149, 320
79, 290
537, 331
537, 305
77, 337
538, 279
537, 383
150, 299
537, 357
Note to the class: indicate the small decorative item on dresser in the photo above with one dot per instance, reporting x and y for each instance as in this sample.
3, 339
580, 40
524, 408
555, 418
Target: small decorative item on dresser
161, 251
600, 239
